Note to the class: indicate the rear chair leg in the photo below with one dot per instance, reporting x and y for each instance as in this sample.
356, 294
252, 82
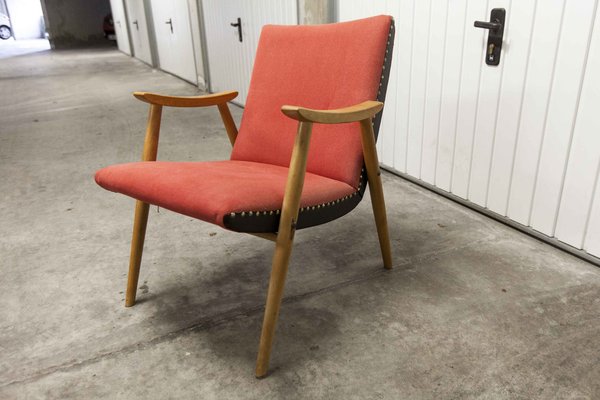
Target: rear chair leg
376, 190
137, 246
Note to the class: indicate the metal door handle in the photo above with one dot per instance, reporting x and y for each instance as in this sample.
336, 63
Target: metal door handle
238, 25
495, 35
488, 25
170, 23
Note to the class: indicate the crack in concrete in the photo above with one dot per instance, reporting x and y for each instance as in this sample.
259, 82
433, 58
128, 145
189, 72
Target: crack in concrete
228, 316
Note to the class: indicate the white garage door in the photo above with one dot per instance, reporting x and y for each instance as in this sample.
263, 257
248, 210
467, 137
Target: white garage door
173, 34
521, 139
230, 60
138, 29
120, 23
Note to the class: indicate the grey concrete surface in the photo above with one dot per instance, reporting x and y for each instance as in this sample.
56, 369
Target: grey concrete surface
471, 310
12, 47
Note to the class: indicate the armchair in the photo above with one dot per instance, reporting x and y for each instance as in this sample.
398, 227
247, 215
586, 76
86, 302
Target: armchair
275, 182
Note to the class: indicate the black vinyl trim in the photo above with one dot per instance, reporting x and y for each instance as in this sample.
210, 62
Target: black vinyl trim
268, 221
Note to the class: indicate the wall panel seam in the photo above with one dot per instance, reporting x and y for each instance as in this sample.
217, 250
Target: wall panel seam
412, 47
462, 52
480, 78
519, 116
590, 207
539, 157
439, 117
425, 87
487, 189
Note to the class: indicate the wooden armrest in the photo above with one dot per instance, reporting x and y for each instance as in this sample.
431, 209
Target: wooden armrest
353, 113
186, 101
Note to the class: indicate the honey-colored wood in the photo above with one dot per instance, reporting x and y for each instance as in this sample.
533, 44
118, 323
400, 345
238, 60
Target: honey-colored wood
228, 122
376, 189
186, 101
140, 222
216, 99
283, 246
152, 132
353, 113
141, 209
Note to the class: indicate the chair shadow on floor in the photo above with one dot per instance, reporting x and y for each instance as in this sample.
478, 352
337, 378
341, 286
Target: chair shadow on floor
225, 298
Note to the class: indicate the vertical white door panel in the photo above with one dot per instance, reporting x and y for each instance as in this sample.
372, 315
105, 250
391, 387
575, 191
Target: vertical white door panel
120, 24
566, 86
403, 44
173, 35
138, 29
584, 158
230, 61
521, 139
472, 64
590, 102
544, 45
386, 140
485, 125
433, 89
418, 84
451, 86
592, 235
516, 56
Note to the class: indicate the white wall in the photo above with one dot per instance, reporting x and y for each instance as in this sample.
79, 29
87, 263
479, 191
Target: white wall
26, 18
521, 139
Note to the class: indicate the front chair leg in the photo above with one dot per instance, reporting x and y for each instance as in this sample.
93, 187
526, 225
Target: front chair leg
281, 260
283, 247
141, 209
137, 246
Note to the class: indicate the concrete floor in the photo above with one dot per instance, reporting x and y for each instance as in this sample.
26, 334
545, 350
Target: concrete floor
12, 47
471, 310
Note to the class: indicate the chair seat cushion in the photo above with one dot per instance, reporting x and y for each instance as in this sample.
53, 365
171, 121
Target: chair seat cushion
231, 194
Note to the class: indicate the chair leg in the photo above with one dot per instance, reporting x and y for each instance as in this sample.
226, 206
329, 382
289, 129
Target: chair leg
283, 246
378, 203
281, 260
137, 246
376, 190
141, 209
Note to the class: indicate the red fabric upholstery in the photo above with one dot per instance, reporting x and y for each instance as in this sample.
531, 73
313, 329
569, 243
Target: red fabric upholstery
322, 67
210, 190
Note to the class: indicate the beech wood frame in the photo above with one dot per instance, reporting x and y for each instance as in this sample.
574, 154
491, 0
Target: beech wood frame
362, 113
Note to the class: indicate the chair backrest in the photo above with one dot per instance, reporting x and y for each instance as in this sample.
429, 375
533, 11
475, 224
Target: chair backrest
321, 67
